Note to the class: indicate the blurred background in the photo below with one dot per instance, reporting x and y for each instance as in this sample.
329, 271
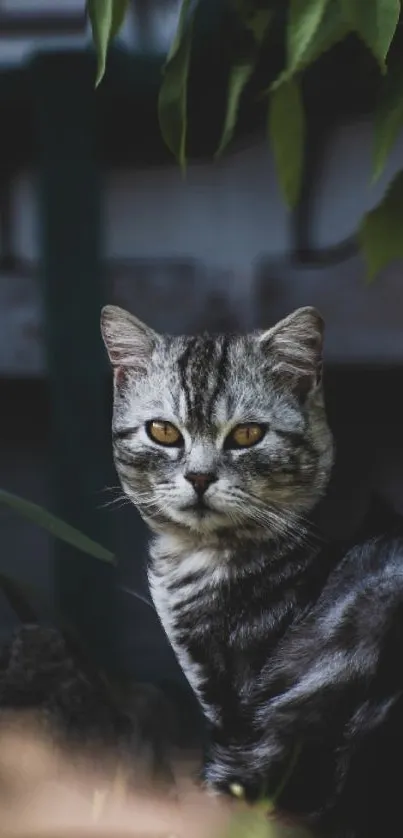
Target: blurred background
93, 210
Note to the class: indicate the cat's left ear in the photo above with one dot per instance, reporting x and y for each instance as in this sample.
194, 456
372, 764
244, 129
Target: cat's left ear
294, 347
128, 341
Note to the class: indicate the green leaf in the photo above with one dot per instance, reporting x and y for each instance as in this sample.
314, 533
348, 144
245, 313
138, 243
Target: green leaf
287, 135
375, 21
106, 17
242, 70
172, 100
388, 121
238, 79
56, 526
380, 234
251, 823
332, 29
119, 10
304, 19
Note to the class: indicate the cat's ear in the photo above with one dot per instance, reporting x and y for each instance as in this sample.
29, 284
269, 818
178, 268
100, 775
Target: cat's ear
295, 348
128, 341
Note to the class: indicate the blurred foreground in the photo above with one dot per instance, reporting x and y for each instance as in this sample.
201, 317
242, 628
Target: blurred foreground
45, 791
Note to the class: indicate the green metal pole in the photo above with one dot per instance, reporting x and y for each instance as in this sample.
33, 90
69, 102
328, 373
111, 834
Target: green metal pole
71, 235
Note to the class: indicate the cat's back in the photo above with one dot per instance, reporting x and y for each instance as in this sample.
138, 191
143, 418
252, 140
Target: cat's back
366, 587
352, 634
336, 686
370, 559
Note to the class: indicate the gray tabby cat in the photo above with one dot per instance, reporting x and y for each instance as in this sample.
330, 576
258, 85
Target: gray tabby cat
212, 446
223, 445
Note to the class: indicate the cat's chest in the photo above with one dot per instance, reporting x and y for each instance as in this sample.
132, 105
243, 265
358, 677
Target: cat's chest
218, 623
189, 596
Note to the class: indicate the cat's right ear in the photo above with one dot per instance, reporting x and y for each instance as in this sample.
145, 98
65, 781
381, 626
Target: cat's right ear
128, 341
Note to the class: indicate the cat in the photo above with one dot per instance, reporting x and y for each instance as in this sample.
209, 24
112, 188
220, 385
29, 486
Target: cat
292, 642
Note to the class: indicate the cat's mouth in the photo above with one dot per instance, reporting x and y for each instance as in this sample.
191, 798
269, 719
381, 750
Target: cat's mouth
200, 515
199, 506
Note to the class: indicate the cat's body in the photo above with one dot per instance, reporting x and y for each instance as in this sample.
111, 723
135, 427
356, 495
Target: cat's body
216, 616
317, 671
292, 644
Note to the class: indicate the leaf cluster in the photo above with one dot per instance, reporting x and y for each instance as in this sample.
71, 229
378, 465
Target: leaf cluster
312, 27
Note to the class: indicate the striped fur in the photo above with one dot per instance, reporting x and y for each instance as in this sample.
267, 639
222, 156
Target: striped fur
282, 635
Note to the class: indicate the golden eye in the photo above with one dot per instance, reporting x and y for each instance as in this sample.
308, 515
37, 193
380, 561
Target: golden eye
164, 433
246, 435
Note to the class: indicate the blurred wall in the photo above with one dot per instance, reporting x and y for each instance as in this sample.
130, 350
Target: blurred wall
215, 235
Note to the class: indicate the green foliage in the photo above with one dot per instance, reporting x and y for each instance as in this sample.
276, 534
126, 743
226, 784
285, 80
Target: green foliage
55, 526
252, 823
304, 21
388, 120
287, 135
312, 28
106, 17
380, 234
172, 100
261, 819
375, 22
239, 76
331, 29
257, 23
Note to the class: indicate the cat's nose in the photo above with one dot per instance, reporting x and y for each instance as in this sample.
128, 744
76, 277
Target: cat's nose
200, 480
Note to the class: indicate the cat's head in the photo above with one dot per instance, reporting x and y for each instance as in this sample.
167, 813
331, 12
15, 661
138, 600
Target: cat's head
217, 433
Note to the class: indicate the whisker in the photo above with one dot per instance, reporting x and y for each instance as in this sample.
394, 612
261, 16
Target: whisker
138, 596
104, 489
118, 502
289, 524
